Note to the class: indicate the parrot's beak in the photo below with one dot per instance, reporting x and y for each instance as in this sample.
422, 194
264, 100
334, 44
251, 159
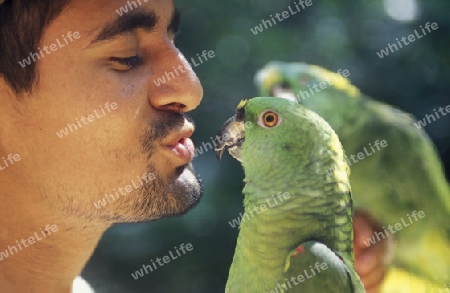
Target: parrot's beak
231, 135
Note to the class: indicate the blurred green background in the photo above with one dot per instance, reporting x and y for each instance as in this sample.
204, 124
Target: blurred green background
333, 34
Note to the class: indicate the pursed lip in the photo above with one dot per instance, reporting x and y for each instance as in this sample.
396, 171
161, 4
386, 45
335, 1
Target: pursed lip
179, 143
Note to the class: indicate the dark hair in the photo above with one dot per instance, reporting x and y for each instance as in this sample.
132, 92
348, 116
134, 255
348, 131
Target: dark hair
22, 24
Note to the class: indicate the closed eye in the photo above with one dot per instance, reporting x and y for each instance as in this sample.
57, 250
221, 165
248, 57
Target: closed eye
126, 64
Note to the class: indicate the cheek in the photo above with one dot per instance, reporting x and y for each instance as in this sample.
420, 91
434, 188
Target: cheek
94, 127
116, 105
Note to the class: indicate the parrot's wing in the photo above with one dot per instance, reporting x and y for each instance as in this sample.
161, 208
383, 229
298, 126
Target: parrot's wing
313, 267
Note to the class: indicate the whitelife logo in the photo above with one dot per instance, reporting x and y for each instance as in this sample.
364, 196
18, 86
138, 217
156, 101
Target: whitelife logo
11, 250
108, 198
11, 158
338, 79
411, 38
86, 120
131, 5
423, 123
271, 202
169, 75
53, 48
397, 226
166, 259
280, 16
283, 287
208, 146
361, 155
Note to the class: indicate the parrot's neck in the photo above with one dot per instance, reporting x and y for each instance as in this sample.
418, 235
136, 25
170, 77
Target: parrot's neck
272, 226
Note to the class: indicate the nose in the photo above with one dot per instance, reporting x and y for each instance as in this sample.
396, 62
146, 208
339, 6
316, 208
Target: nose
174, 85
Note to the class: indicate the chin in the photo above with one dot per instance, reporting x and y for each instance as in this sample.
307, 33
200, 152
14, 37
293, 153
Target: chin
161, 198
188, 187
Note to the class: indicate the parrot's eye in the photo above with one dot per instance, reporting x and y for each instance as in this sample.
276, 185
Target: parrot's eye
269, 119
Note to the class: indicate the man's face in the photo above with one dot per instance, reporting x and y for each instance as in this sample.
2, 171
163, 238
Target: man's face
136, 134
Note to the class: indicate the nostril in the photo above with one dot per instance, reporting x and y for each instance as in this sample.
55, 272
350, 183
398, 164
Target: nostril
175, 107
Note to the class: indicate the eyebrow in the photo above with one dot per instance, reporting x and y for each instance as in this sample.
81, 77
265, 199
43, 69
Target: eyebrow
136, 19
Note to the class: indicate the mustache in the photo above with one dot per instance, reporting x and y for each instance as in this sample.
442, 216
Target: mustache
160, 129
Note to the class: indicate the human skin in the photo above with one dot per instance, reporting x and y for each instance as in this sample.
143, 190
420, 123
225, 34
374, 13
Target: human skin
58, 180
370, 262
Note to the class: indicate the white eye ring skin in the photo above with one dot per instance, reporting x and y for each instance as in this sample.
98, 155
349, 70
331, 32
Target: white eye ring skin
269, 119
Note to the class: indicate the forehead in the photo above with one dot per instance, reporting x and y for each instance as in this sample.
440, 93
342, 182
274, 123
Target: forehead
89, 16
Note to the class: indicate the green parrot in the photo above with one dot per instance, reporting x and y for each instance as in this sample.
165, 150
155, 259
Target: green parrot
401, 183
296, 232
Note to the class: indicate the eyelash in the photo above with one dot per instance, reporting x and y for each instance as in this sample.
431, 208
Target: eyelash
131, 62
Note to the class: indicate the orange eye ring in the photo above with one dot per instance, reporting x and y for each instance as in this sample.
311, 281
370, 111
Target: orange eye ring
270, 119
